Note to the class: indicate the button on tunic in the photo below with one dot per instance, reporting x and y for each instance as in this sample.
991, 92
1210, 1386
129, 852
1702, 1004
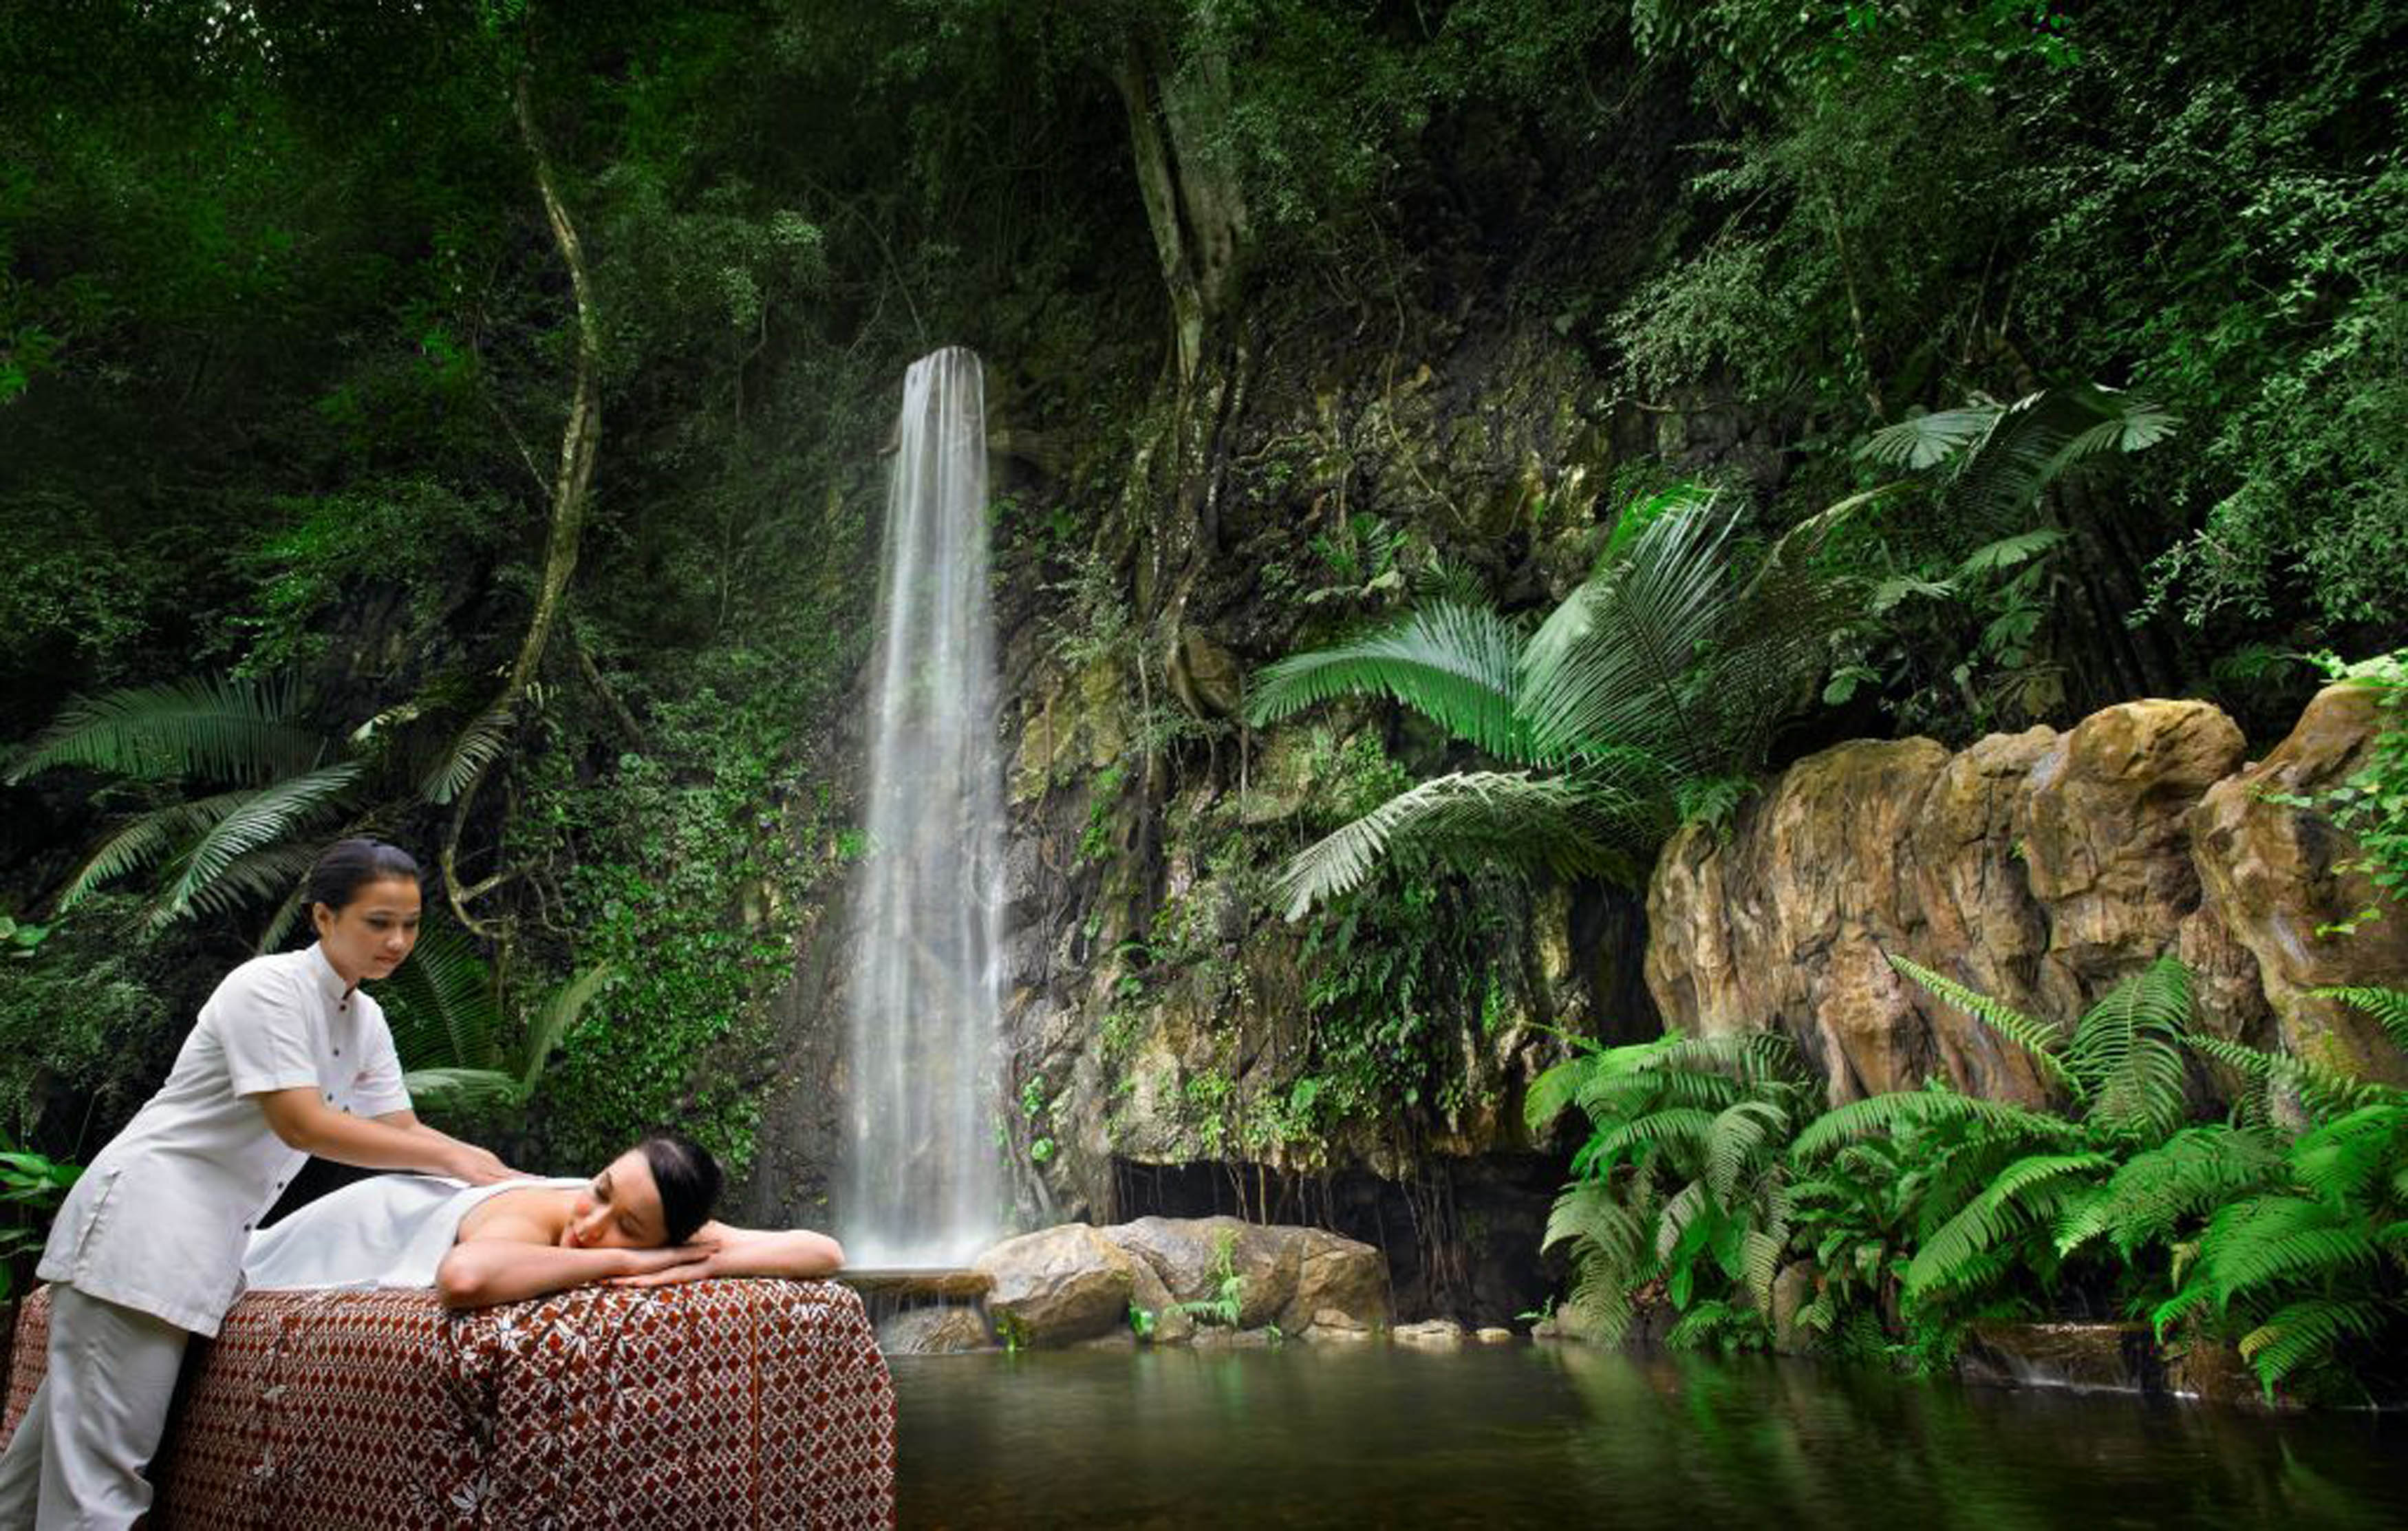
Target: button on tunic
160, 1220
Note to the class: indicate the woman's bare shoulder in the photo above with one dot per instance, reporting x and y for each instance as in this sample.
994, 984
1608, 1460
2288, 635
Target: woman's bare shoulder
533, 1215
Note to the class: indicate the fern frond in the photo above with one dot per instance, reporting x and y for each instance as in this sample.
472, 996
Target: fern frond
2194, 1172
232, 730
2308, 1332
1556, 1088
2344, 1161
1452, 663
2044, 1040
2324, 1092
2016, 1200
2128, 1050
2269, 1239
1658, 1133
1467, 819
2389, 1007
1888, 1114
1736, 1138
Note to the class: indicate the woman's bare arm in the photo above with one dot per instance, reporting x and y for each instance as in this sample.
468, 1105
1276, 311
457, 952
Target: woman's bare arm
509, 1260
750, 1251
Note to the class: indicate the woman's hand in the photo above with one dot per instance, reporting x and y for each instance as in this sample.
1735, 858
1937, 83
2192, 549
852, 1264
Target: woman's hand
669, 1267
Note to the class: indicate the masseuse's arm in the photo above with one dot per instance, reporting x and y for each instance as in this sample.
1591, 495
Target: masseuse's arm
507, 1262
302, 1119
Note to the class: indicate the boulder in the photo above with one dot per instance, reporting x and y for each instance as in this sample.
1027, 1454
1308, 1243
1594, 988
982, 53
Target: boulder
2274, 879
1437, 1333
1793, 1290
1335, 1275
946, 1329
1493, 1335
1186, 1253
1333, 1323
1058, 1285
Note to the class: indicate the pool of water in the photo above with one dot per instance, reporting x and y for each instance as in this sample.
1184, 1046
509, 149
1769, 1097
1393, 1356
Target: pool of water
1538, 1434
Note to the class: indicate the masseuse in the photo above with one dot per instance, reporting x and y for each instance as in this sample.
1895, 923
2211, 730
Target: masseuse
288, 1059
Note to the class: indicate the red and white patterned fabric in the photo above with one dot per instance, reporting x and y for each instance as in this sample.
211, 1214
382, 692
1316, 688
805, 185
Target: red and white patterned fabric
718, 1404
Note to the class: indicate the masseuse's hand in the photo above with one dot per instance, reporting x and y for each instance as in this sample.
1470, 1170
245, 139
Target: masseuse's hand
668, 1266
478, 1167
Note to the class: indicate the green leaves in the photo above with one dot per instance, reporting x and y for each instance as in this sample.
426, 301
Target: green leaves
1452, 663
220, 729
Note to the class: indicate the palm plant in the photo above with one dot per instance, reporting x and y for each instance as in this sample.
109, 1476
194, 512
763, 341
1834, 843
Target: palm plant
1680, 1179
450, 1025
241, 786
1650, 692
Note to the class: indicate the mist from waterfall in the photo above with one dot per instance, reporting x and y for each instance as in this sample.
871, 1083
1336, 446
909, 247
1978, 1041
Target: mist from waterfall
920, 1182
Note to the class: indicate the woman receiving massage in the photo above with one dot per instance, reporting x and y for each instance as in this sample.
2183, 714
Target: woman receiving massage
644, 1221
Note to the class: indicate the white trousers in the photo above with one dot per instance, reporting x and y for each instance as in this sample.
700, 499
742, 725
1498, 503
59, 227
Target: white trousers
75, 1462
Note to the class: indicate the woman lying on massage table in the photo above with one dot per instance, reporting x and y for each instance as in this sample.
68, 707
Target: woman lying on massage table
644, 1221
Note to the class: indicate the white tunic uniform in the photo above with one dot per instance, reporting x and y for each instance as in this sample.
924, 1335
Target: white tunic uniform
160, 1221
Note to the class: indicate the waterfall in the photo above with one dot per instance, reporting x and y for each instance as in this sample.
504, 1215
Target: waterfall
919, 1181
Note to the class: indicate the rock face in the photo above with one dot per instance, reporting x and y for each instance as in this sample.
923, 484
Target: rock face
946, 1329
2040, 868
1072, 1283
2272, 881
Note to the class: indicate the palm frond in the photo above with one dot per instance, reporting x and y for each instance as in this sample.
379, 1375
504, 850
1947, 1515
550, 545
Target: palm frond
1452, 663
2128, 1050
558, 1014
2006, 553
441, 1005
232, 730
2043, 1039
145, 840
467, 754
273, 813
442, 1089
1925, 440
1466, 819
272, 874
1612, 662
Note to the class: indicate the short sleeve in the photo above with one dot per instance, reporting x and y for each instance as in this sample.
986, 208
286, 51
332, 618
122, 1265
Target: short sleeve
380, 1090
264, 1026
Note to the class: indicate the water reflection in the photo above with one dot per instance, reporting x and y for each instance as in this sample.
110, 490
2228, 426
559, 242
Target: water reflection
1538, 1435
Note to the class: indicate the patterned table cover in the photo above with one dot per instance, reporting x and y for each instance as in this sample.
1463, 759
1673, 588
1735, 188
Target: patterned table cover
715, 1404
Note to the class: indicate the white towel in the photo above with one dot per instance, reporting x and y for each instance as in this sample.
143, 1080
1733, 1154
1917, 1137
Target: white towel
388, 1230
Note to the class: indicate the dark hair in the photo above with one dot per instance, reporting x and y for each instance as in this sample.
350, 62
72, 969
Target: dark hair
346, 866
688, 1179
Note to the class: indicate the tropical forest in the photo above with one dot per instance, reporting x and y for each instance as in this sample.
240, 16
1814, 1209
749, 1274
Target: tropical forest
1432, 762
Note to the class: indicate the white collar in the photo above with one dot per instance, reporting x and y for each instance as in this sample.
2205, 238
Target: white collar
330, 983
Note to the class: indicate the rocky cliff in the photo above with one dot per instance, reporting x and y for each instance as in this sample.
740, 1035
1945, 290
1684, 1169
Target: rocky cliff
2040, 868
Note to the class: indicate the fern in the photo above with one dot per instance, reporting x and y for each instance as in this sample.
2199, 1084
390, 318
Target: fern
2045, 1042
2389, 1007
2022, 1195
2126, 1051
2149, 1195
1890, 1113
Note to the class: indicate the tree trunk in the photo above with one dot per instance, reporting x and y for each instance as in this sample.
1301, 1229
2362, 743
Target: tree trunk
578, 438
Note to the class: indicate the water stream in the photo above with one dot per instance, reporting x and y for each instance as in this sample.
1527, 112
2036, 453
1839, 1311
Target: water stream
918, 1181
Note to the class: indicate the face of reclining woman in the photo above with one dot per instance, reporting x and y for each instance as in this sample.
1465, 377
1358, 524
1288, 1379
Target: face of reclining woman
619, 1208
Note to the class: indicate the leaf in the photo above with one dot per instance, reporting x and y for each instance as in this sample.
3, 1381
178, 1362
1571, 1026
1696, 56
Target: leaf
1924, 441
1470, 819
231, 730
2044, 1042
2007, 551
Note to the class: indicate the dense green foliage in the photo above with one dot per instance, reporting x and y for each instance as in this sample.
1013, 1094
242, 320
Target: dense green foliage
1914, 1214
